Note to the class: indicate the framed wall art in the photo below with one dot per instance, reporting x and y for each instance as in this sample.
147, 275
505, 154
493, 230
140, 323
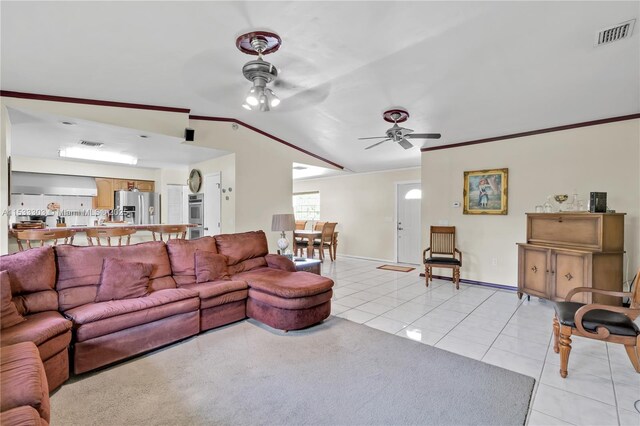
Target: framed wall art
485, 191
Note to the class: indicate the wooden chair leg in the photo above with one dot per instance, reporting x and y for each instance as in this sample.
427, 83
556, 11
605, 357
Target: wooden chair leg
426, 275
556, 334
634, 356
565, 349
456, 277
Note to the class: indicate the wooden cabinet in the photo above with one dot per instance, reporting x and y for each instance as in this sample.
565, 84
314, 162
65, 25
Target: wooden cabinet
104, 199
106, 187
145, 185
568, 250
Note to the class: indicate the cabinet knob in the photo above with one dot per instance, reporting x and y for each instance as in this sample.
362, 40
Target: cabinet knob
568, 276
534, 269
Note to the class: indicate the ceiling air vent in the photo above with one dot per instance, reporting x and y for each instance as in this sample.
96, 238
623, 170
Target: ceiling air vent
91, 144
615, 33
299, 168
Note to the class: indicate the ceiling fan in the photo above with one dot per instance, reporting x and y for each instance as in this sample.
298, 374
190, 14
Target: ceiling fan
400, 134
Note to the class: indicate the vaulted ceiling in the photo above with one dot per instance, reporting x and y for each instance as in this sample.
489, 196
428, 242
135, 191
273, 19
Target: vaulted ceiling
468, 70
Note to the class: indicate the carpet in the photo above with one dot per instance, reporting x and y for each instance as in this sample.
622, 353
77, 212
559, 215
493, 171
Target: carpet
396, 268
338, 372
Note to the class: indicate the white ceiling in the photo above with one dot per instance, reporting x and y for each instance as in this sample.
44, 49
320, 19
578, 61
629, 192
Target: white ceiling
40, 135
468, 70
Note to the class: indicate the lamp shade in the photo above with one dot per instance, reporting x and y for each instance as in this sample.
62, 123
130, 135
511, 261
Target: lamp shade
283, 222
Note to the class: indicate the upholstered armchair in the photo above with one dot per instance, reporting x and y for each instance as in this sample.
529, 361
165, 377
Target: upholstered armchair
614, 324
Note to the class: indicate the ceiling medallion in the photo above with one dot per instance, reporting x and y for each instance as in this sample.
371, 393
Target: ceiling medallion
259, 71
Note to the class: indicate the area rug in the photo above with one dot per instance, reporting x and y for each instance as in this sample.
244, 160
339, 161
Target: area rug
337, 373
396, 268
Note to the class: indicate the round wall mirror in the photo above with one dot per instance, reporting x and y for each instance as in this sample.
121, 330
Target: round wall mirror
195, 180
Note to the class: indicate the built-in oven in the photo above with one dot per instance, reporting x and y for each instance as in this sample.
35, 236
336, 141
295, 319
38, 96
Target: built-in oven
196, 215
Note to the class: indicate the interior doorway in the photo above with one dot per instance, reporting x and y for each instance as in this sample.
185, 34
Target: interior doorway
408, 237
212, 216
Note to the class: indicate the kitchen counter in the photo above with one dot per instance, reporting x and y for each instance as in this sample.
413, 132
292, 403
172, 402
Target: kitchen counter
110, 225
143, 233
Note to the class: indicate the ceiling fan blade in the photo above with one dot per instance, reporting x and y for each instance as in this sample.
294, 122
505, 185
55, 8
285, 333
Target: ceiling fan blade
374, 137
376, 144
405, 143
424, 135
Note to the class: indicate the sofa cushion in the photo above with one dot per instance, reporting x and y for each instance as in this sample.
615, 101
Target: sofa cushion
38, 328
123, 280
285, 284
280, 262
100, 319
295, 303
248, 265
9, 315
32, 274
79, 269
91, 312
211, 267
22, 416
23, 380
242, 246
182, 257
216, 288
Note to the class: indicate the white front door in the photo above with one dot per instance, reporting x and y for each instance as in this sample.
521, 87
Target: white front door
409, 199
211, 204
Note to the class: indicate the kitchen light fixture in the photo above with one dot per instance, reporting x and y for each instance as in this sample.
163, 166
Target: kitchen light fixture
97, 155
259, 71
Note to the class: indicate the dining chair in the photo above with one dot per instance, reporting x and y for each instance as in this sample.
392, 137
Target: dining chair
326, 240
443, 243
318, 226
43, 235
109, 233
301, 224
613, 324
175, 232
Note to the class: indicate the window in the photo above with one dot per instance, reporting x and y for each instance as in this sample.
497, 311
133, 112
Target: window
306, 205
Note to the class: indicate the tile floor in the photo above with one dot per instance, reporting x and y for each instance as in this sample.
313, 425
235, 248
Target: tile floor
492, 326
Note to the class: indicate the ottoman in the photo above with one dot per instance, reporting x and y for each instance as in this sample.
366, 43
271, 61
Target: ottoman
287, 300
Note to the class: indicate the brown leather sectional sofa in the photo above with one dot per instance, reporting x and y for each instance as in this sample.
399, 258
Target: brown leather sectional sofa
188, 286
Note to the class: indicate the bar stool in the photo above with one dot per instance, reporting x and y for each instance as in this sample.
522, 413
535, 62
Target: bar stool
176, 232
43, 235
109, 233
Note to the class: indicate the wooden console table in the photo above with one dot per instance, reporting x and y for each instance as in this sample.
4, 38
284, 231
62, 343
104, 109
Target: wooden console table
572, 249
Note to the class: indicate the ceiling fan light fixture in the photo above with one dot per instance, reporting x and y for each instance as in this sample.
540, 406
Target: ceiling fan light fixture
259, 71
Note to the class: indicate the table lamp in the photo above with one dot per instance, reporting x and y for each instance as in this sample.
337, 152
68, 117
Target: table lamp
283, 223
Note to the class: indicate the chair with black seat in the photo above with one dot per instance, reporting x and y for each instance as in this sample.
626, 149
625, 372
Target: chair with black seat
442, 251
326, 241
614, 324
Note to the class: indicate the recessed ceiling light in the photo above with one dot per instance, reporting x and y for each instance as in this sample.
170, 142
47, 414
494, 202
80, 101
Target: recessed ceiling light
68, 123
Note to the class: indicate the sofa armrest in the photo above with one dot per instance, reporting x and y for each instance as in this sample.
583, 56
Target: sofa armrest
283, 263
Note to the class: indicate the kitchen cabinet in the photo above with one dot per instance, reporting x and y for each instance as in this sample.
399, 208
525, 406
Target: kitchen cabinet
104, 199
145, 185
28, 204
568, 250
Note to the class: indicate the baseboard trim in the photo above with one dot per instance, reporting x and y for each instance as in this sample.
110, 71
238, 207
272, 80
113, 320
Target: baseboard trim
367, 258
473, 282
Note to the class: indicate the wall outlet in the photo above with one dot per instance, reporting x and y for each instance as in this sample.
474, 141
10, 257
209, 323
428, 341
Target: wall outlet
494, 261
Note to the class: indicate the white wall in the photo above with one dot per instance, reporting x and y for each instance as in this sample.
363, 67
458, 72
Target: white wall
364, 205
5, 151
263, 174
227, 167
595, 158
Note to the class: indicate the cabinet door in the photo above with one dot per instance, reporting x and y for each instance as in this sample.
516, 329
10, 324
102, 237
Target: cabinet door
570, 270
104, 199
120, 185
533, 268
145, 185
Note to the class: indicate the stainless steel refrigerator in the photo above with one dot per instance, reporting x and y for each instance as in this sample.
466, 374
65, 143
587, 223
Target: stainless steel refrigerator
137, 208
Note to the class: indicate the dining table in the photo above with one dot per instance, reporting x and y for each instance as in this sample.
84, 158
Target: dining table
310, 236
